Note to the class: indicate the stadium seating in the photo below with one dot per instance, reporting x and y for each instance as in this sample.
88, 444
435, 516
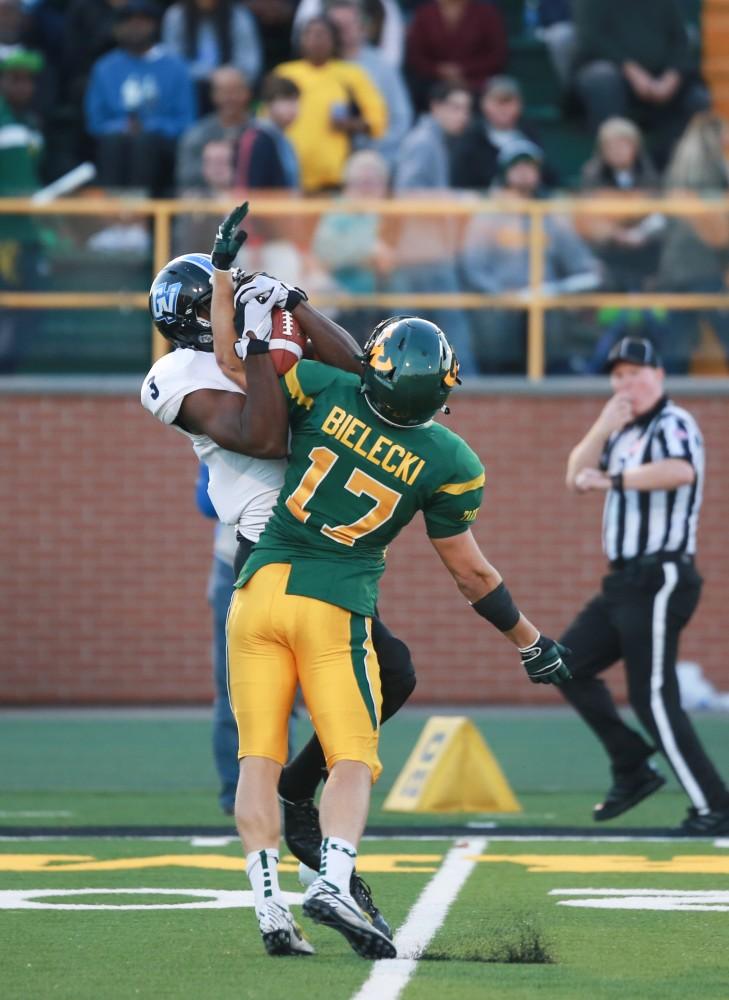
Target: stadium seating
105, 341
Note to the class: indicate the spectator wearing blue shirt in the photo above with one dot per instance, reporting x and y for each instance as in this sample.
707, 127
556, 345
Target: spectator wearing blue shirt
139, 100
347, 16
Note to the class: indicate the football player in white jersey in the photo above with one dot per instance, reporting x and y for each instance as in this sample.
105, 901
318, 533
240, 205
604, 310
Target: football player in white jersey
187, 390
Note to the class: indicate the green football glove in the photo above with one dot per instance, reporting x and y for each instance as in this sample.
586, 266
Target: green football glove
228, 242
544, 662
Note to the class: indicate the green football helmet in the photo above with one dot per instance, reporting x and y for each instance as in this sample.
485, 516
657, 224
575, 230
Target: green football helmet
409, 369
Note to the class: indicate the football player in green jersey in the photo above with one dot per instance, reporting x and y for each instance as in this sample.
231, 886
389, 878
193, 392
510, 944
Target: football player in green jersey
366, 455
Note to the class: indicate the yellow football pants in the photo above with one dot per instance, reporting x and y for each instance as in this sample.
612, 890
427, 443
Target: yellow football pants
277, 639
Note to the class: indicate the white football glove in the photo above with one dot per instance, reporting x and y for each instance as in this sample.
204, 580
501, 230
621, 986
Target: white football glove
264, 288
255, 295
286, 296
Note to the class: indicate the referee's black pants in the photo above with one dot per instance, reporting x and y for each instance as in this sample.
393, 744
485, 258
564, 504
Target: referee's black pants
638, 617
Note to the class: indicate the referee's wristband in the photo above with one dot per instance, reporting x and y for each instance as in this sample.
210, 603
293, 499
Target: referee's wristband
617, 482
498, 608
257, 347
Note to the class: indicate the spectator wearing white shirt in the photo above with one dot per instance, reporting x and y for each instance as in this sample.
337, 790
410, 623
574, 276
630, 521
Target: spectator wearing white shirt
346, 15
208, 34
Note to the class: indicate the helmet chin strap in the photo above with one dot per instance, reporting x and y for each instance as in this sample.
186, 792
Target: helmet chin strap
391, 423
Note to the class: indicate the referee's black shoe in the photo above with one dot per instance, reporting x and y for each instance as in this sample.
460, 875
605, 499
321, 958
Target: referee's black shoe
711, 824
627, 790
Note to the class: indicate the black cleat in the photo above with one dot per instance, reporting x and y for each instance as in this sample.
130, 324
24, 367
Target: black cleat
362, 895
627, 790
711, 824
301, 831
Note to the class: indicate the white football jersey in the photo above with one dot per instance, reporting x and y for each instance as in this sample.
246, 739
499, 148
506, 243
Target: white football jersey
243, 490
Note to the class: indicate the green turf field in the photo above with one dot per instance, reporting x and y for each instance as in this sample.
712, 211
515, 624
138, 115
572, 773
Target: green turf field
537, 917
105, 768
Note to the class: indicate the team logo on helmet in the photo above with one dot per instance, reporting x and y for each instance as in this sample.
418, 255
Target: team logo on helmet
376, 359
451, 377
164, 301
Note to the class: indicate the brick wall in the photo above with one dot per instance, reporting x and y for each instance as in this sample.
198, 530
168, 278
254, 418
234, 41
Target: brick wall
104, 558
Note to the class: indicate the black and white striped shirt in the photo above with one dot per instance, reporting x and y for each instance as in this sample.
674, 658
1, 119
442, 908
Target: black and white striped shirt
637, 523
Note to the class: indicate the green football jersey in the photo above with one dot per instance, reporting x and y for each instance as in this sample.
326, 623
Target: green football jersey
352, 484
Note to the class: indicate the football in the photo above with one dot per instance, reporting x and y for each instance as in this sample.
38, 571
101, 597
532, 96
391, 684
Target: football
287, 340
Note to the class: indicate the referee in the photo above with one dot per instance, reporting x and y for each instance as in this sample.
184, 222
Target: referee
647, 455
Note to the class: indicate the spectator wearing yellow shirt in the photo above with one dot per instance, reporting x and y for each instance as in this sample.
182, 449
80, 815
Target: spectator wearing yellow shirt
338, 101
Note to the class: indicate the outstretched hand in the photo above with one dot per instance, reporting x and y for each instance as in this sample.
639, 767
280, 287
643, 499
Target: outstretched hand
229, 238
544, 663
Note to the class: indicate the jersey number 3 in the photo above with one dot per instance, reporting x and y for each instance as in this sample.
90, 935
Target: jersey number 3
322, 461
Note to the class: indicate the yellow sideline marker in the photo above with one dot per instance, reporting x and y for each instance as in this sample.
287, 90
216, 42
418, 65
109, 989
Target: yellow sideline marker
451, 769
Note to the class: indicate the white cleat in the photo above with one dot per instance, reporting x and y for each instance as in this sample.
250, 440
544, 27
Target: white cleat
280, 932
328, 905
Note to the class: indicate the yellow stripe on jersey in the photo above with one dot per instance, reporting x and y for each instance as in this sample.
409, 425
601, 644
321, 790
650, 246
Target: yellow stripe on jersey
295, 391
457, 488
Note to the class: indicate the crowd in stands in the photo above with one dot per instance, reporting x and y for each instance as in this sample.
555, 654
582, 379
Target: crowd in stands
380, 98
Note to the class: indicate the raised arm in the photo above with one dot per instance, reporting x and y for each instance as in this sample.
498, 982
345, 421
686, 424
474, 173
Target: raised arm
228, 241
586, 454
225, 337
261, 427
255, 295
333, 345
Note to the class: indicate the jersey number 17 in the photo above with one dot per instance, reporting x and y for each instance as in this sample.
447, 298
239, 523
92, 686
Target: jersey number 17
322, 462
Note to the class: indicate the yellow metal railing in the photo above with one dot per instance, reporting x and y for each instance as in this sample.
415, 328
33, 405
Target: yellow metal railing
535, 300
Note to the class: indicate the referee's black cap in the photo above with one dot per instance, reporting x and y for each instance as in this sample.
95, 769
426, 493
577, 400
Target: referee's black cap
635, 351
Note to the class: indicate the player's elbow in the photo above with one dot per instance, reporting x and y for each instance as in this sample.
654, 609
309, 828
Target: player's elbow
228, 363
570, 476
267, 449
227, 359
475, 580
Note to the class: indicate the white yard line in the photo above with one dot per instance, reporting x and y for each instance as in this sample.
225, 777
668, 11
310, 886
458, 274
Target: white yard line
494, 837
389, 978
34, 813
